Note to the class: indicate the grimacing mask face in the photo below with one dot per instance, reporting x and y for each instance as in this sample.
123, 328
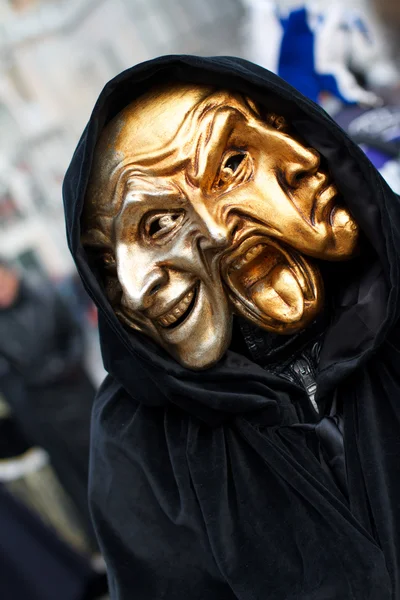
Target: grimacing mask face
199, 206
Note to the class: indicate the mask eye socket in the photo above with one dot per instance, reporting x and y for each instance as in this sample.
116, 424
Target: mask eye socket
160, 226
232, 163
235, 168
109, 261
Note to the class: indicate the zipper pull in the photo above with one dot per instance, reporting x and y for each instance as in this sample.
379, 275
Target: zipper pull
304, 373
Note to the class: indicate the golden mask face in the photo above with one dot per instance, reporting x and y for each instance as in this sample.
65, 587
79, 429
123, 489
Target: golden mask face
201, 206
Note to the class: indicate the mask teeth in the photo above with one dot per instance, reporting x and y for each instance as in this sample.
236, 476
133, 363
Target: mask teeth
248, 257
177, 311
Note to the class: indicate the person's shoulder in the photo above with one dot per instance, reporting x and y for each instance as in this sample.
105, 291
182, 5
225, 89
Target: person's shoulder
113, 404
115, 410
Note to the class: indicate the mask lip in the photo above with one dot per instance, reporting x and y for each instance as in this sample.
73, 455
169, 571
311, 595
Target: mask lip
306, 273
124, 312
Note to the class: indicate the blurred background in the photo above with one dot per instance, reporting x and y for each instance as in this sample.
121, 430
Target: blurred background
55, 57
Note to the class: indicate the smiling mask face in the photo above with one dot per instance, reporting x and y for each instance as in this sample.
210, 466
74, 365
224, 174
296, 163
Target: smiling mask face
199, 206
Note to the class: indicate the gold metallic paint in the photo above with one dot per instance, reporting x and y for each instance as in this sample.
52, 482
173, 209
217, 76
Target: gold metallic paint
200, 205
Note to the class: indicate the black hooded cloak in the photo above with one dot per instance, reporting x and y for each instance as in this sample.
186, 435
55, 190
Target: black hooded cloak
208, 485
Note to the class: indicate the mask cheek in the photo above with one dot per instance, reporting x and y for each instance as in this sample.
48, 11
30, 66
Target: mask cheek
204, 339
346, 233
133, 321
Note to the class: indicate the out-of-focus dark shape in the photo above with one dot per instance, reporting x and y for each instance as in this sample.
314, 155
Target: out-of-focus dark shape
390, 11
43, 380
43, 551
26, 472
34, 563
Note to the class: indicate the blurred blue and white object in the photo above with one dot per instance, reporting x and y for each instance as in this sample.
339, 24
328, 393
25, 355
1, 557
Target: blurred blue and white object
338, 56
321, 48
377, 131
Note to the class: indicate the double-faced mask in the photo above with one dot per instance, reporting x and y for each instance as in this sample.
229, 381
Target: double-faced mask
201, 205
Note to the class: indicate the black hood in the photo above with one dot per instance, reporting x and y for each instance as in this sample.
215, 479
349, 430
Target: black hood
217, 484
363, 312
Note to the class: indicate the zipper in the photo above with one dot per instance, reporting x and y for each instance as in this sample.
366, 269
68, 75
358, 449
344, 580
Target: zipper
305, 375
298, 369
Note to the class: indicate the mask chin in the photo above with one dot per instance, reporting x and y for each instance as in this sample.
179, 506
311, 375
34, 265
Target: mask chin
199, 361
201, 348
273, 286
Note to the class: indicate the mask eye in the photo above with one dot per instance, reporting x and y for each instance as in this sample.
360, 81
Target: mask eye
109, 261
157, 226
234, 168
232, 162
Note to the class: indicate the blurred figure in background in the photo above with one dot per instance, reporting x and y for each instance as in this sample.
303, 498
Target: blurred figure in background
332, 50
43, 381
34, 563
339, 55
43, 553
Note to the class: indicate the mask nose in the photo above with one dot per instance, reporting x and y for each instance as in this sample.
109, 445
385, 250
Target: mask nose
218, 231
140, 288
305, 164
218, 235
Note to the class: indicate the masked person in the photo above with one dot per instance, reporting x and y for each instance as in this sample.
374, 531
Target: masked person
44, 382
244, 256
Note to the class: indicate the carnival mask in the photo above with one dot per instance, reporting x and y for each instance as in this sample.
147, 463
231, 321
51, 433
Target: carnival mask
200, 205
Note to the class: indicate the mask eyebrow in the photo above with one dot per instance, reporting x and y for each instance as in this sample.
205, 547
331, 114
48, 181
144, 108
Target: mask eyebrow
141, 191
212, 142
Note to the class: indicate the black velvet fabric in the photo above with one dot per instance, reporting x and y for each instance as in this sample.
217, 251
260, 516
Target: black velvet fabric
209, 485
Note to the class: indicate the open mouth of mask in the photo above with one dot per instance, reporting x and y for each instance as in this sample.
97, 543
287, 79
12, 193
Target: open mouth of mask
272, 285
